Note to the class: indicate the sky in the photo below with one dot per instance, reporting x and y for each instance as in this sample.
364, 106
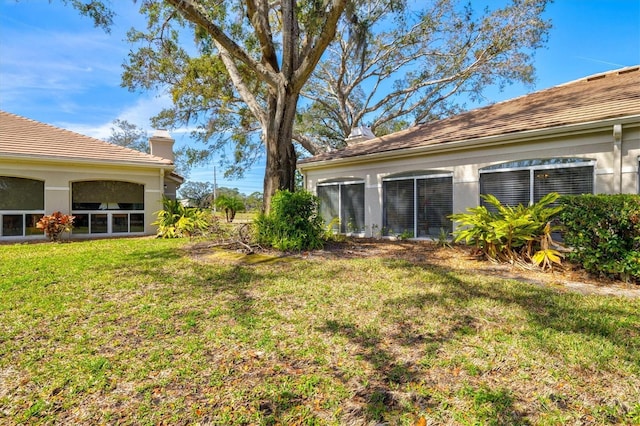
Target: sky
57, 68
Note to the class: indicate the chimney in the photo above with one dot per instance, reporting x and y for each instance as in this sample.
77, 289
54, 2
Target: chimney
161, 144
359, 134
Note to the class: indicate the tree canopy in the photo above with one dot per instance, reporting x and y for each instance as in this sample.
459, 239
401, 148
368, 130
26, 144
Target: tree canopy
129, 135
419, 64
236, 69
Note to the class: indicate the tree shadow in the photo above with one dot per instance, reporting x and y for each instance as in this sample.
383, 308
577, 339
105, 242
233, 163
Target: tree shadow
545, 308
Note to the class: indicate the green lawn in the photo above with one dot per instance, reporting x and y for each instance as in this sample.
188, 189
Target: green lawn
140, 331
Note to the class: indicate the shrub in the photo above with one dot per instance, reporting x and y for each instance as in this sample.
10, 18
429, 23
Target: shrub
55, 224
604, 232
176, 220
293, 222
511, 234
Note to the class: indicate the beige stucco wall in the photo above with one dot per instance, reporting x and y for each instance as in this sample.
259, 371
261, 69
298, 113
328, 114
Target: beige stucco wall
464, 164
58, 177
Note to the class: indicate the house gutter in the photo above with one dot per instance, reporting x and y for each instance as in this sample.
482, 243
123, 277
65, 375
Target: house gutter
488, 141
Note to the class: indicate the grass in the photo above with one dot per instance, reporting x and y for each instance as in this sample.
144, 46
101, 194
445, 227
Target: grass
241, 217
141, 331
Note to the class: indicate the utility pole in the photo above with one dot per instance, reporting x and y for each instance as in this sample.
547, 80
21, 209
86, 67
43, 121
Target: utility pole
215, 189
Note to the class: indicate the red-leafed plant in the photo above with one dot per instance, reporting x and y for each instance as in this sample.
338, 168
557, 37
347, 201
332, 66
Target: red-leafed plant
55, 224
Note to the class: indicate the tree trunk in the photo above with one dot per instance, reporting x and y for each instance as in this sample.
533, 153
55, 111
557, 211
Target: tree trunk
281, 154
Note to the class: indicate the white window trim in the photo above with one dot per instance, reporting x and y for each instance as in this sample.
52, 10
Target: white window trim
415, 193
109, 214
533, 169
24, 228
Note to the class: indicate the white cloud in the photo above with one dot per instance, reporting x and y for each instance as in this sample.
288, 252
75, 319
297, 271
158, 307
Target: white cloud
139, 114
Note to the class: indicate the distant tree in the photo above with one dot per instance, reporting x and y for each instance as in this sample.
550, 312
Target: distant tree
199, 194
129, 135
253, 201
230, 204
230, 192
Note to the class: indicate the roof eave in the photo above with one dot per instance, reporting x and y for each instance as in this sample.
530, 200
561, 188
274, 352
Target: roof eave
502, 139
86, 162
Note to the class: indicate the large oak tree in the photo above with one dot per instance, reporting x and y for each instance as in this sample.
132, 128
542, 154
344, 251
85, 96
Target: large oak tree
244, 72
236, 68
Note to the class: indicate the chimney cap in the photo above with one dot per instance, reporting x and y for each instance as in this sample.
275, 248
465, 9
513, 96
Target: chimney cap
359, 134
363, 132
161, 133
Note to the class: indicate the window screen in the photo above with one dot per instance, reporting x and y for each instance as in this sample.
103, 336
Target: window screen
511, 187
344, 201
107, 195
398, 199
352, 206
329, 203
21, 194
435, 204
569, 181
539, 178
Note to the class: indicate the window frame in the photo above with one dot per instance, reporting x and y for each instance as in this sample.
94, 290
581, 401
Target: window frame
25, 215
416, 176
106, 217
580, 162
343, 227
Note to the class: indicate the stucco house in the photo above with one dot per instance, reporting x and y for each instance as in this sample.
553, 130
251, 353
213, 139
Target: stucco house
111, 190
579, 137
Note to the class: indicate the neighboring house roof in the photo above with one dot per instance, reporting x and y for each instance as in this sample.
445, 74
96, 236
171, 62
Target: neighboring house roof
23, 138
594, 99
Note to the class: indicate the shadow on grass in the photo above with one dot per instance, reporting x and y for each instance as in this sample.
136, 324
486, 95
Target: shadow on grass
562, 312
548, 312
545, 307
163, 271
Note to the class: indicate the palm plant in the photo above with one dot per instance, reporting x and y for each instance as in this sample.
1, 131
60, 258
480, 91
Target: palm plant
176, 220
513, 234
230, 204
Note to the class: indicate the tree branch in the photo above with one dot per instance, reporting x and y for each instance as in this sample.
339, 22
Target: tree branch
191, 10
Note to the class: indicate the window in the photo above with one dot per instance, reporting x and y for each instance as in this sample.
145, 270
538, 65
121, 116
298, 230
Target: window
418, 203
107, 207
21, 206
527, 181
343, 200
107, 195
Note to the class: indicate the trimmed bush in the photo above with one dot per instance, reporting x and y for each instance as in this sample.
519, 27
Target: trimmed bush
293, 222
604, 232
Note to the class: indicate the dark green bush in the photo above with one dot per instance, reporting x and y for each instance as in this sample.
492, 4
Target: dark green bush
293, 222
604, 232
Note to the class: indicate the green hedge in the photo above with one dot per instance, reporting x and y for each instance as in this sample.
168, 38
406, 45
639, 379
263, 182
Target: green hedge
293, 222
604, 232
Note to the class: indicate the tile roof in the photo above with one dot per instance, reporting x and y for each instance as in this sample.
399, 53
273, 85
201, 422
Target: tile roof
591, 99
21, 137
